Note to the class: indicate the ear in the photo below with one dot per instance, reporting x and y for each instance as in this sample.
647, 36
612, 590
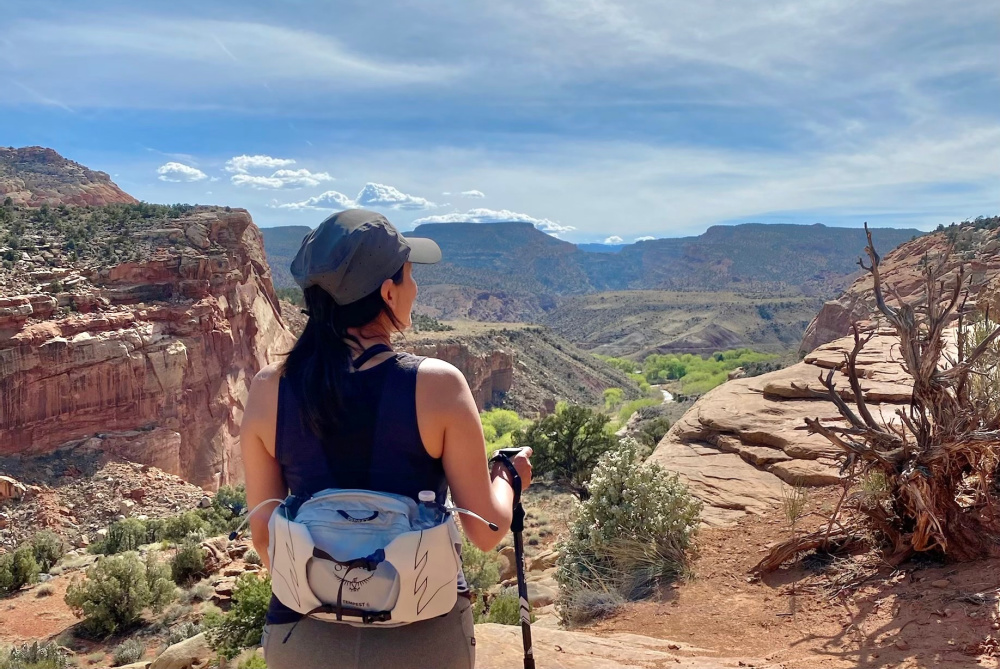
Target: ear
389, 292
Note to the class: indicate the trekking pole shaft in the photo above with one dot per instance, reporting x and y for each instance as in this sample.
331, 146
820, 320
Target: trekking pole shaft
517, 527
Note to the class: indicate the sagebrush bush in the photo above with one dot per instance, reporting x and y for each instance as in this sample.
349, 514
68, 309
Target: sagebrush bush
253, 557
242, 626
34, 655
184, 525
45, 590
117, 589
128, 652
48, 548
505, 608
567, 445
18, 569
188, 563
181, 633
631, 533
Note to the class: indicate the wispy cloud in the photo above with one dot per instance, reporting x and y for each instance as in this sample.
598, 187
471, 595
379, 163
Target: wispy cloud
645, 238
179, 173
613, 240
472, 194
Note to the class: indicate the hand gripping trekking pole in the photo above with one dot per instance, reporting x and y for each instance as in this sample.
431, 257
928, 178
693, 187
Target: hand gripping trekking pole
503, 456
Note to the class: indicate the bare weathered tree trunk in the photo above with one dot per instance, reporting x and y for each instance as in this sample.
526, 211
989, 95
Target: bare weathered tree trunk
939, 462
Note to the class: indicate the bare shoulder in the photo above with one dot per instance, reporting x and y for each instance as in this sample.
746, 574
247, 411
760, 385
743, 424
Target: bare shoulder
263, 398
440, 379
268, 374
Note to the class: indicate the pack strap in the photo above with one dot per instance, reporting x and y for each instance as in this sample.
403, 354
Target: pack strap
370, 353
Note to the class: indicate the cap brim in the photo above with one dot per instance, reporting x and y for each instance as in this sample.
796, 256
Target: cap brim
423, 251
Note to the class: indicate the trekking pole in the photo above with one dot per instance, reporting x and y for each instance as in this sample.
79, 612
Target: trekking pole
504, 456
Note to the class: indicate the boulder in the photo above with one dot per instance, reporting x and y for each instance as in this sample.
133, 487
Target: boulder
508, 565
193, 653
542, 561
540, 594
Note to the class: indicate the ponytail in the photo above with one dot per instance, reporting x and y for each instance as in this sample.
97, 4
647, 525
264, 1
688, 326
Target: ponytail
316, 365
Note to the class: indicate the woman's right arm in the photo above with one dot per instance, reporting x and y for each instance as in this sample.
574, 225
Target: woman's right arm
448, 416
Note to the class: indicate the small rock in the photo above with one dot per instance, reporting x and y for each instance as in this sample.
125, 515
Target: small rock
900, 644
205, 502
941, 583
125, 507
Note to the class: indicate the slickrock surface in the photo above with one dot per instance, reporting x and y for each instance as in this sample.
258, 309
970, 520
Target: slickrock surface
977, 251
738, 444
499, 647
34, 176
152, 356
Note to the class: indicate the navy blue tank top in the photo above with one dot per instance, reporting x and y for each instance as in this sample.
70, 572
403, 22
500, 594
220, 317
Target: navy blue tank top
375, 446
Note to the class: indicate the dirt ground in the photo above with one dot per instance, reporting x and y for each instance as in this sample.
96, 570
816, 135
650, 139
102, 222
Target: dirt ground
923, 614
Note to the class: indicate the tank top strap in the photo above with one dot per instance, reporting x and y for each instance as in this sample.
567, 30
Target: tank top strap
370, 353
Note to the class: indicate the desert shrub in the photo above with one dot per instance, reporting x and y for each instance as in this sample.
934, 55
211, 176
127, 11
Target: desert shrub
567, 445
128, 652
188, 562
45, 590
583, 605
18, 569
255, 661
230, 503
48, 548
697, 374
505, 608
199, 592
651, 432
630, 534
242, 626
253, 557
156, 529
180, 633
117, 590
183, 525
630, 408
34, 655
123, 535
481, 568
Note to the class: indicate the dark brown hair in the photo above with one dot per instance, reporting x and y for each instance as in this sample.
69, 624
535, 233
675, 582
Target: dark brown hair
316, 364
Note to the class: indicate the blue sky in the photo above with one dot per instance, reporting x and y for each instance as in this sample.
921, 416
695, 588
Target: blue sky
591, 118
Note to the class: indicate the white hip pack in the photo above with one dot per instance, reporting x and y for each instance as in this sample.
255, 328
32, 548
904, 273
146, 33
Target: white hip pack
364, 558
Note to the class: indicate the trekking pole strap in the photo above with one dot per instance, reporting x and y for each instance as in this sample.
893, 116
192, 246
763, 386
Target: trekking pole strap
515, 478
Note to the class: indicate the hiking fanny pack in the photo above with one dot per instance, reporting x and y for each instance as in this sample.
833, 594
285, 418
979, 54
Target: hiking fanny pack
363, 557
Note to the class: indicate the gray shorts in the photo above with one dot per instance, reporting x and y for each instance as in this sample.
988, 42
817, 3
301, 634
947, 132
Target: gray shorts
445, 642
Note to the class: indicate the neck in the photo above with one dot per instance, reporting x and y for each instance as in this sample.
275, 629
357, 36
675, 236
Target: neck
367, 338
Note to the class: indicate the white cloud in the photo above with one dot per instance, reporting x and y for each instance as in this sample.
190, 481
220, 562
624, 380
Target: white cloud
179, 173
302, 178
472, 193
614, 239
380, 195
330, 200
244, 164
646, 238
497, 216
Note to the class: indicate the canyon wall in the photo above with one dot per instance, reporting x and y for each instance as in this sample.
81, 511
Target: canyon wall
490, 371
34, 176
149, 359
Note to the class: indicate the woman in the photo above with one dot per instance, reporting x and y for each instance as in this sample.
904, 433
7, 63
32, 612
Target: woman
345, 411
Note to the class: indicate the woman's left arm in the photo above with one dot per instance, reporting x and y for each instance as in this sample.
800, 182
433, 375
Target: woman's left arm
263, 473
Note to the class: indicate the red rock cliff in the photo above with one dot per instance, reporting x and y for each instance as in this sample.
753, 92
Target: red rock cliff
150, 359
34, 176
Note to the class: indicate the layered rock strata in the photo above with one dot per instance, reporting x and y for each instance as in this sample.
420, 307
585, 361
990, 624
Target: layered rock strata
152, 358
34, 176
490, 371
741, 442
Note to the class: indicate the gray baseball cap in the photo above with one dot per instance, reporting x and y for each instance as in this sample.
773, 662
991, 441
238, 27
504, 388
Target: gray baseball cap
352, 252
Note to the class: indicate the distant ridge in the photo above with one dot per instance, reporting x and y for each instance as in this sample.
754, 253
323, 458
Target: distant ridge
33, 176
513, 271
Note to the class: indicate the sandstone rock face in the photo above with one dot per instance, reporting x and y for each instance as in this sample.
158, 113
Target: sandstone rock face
34, 176
742, 441
499, 647
152, 358
977, 251
490, 372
